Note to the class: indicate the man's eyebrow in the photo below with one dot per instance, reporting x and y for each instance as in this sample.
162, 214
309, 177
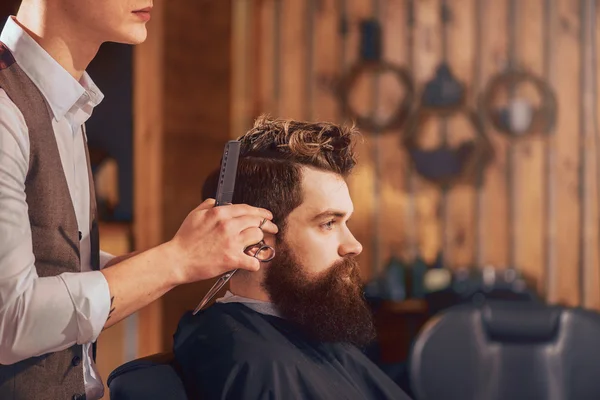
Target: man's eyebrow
330, 213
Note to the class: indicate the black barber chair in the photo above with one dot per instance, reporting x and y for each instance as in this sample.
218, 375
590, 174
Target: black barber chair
155, 377
508, 351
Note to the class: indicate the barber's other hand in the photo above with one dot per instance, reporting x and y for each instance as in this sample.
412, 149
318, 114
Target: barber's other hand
211, 240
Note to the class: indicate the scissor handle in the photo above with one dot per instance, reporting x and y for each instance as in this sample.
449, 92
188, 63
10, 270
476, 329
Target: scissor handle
227, 276
261, 247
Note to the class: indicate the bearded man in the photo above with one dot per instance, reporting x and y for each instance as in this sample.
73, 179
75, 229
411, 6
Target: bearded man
292, 330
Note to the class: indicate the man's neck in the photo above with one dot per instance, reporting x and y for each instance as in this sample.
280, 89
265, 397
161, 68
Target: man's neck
58, 37
245, 288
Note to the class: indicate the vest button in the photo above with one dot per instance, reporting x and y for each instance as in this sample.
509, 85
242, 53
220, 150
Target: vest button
76, 361
80, 235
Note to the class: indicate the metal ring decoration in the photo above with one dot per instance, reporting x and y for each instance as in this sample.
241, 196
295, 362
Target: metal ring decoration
368, 123
543, 118
470, 156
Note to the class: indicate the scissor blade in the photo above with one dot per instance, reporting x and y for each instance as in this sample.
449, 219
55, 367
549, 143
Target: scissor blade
214, 290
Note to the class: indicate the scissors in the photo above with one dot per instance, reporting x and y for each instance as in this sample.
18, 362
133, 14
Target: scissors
262, 252
224, 196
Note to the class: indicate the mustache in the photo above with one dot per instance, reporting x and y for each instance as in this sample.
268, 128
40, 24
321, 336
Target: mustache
347, 265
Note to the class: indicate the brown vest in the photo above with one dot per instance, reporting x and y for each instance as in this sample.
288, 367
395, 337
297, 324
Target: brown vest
55, 239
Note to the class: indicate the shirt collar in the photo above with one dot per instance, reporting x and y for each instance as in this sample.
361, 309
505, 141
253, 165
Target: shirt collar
61, 91
262, 307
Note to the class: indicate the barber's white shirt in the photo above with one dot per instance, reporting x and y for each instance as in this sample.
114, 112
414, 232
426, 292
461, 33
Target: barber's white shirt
42, 315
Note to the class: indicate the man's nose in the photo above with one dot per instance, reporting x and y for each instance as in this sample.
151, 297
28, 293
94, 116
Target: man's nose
351, 246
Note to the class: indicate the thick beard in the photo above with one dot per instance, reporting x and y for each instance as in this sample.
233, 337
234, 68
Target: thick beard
327, 308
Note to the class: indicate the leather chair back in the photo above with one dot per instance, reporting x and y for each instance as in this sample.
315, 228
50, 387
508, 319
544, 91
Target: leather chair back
508, 351
150, 378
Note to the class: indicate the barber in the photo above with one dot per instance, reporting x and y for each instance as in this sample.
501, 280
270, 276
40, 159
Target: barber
57, 290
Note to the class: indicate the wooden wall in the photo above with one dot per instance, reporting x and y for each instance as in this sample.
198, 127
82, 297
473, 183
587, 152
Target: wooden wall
182, 120
537, 208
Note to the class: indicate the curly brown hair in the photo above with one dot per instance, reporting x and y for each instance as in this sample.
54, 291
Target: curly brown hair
272, 155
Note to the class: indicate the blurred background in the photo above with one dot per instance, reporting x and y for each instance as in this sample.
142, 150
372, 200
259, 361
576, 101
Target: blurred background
479, 172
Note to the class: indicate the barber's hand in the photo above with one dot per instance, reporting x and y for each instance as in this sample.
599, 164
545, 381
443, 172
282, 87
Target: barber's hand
211, 240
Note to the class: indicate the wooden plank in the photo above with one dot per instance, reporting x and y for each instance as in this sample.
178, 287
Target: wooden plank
327, 66
264, 49
392, 157
148, 162
494, 234
293, 53
550, 244
410, 228
591, 222
594, 301
242, 66
200, 65
202, 118
567, 160
427, 50
529, 180
361, 182
460, 232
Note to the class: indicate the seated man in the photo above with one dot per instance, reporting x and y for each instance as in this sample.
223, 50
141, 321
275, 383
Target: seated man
293, 329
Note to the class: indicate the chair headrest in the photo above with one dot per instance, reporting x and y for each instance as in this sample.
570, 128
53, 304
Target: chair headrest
520, 322
149, 378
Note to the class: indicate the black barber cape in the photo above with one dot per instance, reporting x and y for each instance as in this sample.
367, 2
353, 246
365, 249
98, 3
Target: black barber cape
229, 351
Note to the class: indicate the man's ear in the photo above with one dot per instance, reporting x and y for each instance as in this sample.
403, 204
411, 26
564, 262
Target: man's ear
270, 240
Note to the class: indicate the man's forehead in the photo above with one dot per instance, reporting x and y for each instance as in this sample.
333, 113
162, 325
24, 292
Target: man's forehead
324, 191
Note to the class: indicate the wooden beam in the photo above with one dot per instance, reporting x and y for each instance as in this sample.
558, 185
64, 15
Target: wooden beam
148, 123
529, 185
361, 182
395, 228
326, 60
567, 158
293, 53
495, 226
460, 223
427, 50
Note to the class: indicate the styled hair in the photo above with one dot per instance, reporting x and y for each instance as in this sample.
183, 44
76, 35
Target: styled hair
272, 156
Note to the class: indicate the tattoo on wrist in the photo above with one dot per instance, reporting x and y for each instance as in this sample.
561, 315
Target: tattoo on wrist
112, 299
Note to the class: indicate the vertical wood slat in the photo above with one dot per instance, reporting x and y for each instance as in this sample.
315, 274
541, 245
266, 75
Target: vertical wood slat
590, 223
529, 179
292, 64
549, 256
411, 229
494, 201
595, 279
393, 161
148, 163
242, 82
567, 197
426, 58
361, 182
194, 127
326, 60
264, 50
461, 199
478, 86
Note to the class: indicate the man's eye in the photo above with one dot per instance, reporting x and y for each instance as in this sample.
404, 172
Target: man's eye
329, 224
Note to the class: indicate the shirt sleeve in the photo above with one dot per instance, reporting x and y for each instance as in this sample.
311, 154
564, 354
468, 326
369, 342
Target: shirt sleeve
37, 315
105, 258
